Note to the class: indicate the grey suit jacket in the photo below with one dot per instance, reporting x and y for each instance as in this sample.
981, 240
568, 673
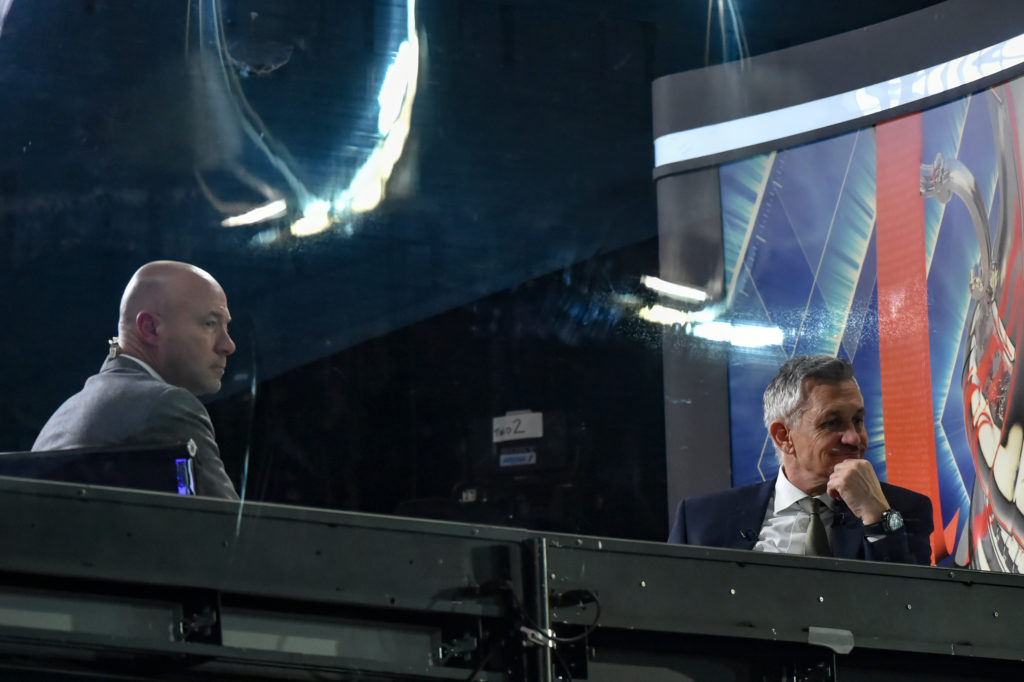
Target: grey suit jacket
125, 405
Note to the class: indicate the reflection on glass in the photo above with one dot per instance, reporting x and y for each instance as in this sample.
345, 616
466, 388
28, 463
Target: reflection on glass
222, 59
674, 290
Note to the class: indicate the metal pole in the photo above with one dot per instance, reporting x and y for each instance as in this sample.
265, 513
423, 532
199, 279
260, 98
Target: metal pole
537, 606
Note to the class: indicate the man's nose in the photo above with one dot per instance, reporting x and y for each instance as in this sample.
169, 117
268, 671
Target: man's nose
226, 344
852, 435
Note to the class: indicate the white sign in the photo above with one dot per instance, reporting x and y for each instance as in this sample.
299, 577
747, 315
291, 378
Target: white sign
518, 426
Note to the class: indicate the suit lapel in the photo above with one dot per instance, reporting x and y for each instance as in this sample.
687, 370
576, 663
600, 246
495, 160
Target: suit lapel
750, 518
847, 534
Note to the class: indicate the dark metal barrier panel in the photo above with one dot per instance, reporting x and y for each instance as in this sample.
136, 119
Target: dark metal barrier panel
100, 580
742, 605
220, 587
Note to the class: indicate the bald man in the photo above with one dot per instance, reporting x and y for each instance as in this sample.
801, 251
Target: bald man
172, 346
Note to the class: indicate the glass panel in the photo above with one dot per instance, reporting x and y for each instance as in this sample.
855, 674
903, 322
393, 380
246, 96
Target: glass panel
434, 224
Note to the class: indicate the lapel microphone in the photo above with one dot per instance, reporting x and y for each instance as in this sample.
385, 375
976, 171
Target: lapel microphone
748, 534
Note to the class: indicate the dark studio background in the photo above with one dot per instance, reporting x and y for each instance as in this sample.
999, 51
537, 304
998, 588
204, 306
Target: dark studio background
501, 272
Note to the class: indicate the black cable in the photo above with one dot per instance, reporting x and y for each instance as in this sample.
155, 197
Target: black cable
521, 613
561, 662
483, 663
593, 624
552, 638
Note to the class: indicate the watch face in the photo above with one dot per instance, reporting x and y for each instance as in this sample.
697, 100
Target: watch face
892, 520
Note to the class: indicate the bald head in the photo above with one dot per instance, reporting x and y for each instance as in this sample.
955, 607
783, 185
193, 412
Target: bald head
157, 285
174, 316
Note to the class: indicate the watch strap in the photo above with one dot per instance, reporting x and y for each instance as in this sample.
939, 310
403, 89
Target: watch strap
892, 522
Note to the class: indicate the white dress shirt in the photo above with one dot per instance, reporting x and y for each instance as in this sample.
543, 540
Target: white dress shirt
144, 365
785, 524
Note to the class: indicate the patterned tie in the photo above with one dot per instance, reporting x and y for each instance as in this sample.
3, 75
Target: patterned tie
817, 537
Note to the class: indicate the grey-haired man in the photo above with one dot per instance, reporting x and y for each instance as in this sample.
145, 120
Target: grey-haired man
827, 499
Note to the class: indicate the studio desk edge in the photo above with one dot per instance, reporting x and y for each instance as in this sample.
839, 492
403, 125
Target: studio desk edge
256, 558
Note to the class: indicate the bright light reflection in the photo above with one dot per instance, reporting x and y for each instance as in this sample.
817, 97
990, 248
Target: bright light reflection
365, 189
397, 94
674, 290
697, 324
5, 7
745, 335
660, 314
392, 92
274, 209
315, 218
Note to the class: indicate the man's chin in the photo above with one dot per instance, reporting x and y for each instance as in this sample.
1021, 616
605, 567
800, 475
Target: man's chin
207, 389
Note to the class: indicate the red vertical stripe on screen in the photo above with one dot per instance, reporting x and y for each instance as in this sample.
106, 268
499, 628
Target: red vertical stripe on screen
903, 315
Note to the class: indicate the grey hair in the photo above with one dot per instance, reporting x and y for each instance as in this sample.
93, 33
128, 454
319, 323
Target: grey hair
784, 398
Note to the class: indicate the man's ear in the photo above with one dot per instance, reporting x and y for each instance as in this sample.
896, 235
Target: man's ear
146, 326
780, 436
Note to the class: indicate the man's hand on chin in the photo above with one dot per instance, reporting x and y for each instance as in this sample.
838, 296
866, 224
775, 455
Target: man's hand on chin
857, 484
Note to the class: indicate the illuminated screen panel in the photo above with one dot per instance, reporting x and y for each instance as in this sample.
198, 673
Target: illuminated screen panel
839, 109
933, 342
930, 315
896, 245
834, 85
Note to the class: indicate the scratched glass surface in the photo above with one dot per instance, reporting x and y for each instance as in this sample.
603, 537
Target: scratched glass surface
435, 223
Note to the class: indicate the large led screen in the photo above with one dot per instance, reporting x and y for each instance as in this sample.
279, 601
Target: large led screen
898, 247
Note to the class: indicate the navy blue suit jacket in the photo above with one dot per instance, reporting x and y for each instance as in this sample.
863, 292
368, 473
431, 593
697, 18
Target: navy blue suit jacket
732, 519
